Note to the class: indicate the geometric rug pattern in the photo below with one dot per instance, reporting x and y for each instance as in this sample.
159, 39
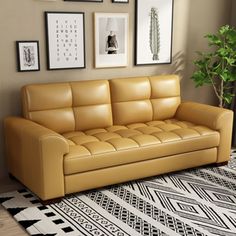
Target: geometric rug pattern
196, 202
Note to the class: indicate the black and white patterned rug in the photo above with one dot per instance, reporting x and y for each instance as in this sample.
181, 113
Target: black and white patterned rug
196, 202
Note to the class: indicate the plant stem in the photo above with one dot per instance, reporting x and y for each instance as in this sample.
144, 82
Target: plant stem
223, 65
214, 87
221, 93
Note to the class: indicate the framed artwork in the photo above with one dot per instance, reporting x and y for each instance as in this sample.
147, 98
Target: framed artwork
28, 55
65, 36
84, 0
153, 32
120, 1
111, 39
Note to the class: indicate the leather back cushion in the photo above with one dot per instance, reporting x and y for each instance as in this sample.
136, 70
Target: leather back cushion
83, 105
131, 100
65, 107
143, 99
92, 104
165, 96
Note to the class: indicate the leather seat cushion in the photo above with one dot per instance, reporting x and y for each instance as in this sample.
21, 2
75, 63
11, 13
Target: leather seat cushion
117, 145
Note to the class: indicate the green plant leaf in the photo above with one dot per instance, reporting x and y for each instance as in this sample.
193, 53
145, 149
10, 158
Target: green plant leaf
231, 77
213, 40
224, 29
230, 61
227, 97
200, 78
223, 52
219, 63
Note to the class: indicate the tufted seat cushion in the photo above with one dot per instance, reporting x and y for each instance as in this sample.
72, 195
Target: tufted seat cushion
117, 145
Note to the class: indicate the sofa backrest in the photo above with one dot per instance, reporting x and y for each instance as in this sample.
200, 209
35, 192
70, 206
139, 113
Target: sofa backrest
83, 105
71, 106
143, 99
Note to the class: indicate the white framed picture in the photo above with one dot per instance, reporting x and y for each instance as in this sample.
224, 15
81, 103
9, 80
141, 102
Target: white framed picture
84, 0
28, 56
65, 40
120, 1
111, 39
153, 32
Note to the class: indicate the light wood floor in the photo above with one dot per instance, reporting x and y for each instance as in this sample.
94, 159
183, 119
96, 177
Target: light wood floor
8, 226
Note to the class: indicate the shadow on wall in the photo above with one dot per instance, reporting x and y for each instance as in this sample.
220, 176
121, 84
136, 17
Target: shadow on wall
184, 69
178, 65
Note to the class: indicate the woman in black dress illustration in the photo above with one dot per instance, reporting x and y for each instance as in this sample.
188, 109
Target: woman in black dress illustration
112, 44
111, 40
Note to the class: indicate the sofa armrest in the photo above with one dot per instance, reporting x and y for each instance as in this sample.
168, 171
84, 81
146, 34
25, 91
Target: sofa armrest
35, 156
216, 118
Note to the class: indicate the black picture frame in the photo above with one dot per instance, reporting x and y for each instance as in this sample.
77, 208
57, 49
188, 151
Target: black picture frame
152, 48
83, 1
65, 40
28, 58
120, 1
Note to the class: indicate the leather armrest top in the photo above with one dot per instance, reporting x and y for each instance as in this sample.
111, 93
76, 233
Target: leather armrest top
33, 130
213, 117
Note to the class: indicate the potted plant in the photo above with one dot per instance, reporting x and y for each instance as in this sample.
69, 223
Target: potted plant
218, 67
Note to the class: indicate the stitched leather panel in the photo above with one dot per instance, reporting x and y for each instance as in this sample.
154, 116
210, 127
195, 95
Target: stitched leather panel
164, 86
165, 96
132, 112
93, 116
49, 105
131, 100
164, 108
92, 105
40, 97
108, 146
130, 89
59, 120
92, 92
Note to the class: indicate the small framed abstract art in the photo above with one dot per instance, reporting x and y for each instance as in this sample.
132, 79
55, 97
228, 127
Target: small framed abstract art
153, 32
28, 56
65, 40
111, 39
120, 1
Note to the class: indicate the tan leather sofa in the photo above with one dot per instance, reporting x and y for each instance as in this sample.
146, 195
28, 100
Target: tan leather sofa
75, 136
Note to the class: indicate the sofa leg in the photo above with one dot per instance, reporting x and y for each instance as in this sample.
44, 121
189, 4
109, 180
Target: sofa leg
12, 177
221, 164
51, 201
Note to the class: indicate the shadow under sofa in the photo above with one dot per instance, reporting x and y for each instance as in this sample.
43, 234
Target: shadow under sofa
75, 136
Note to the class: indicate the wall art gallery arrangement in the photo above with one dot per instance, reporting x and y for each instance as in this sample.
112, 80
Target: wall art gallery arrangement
65, 38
